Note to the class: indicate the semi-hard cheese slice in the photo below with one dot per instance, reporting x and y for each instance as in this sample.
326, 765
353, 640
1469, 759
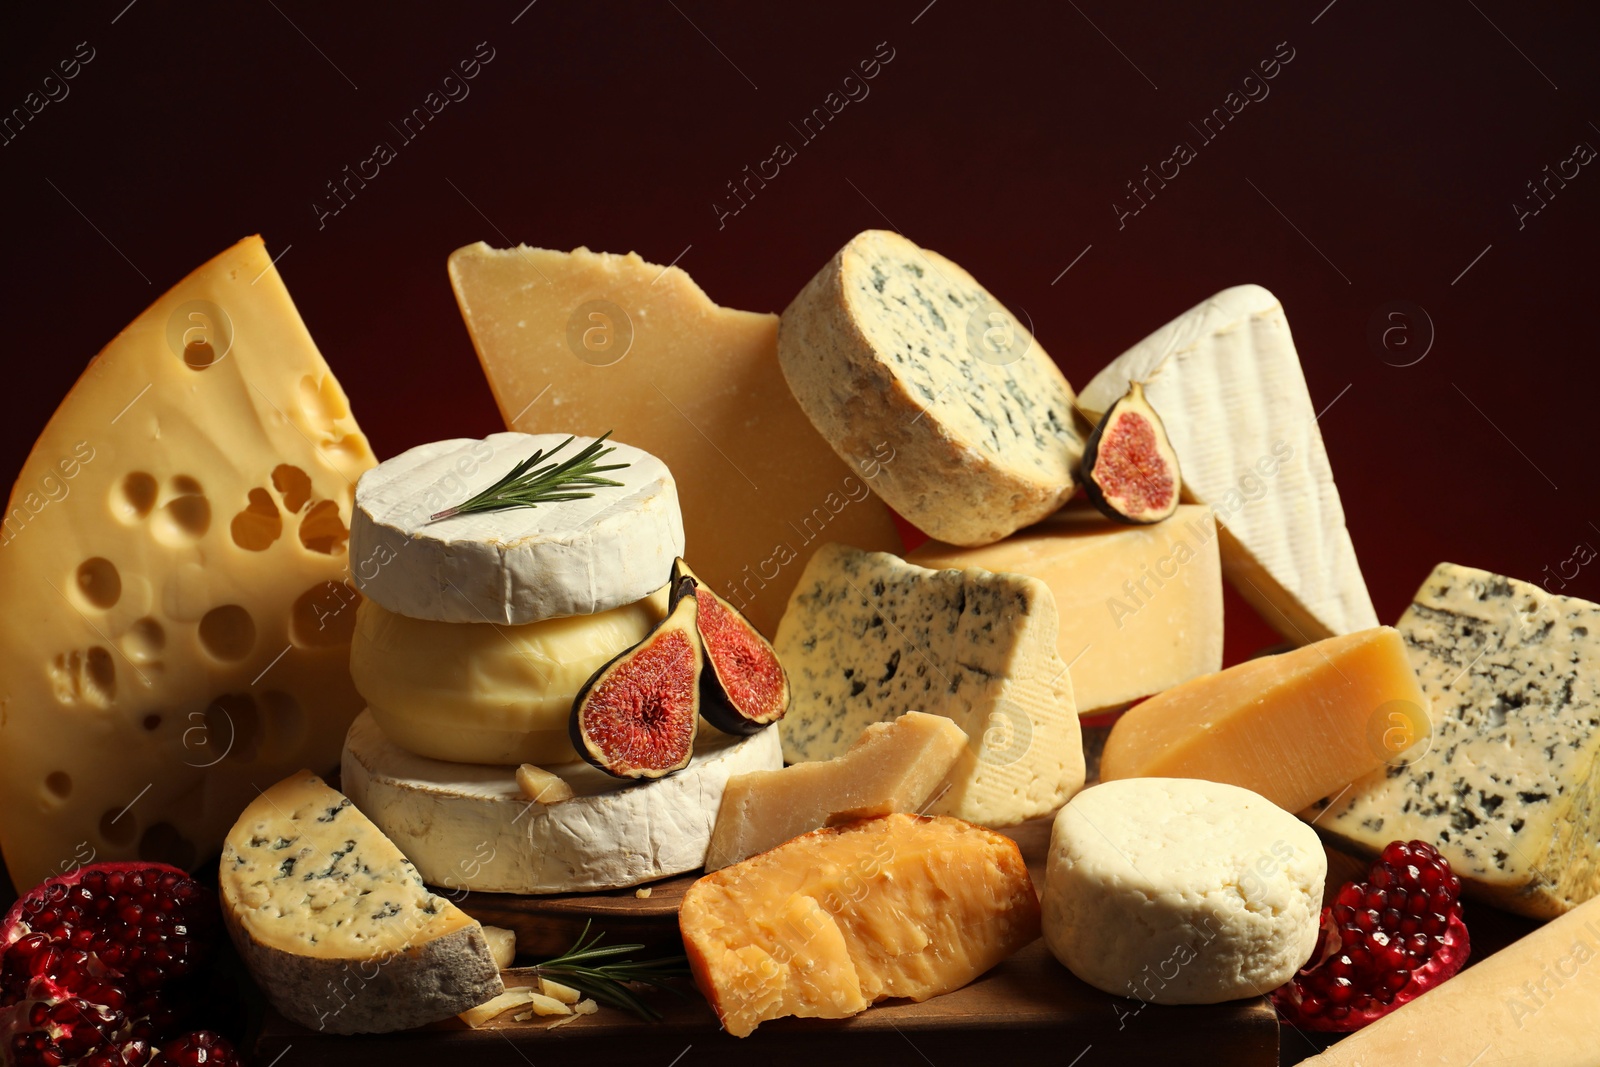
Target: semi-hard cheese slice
1140, 606
470, 826
893, 766
482, 693
1533, 1002
1177, 891
1508, 785
335, 925
586, 342
607, 547
1227, 383
869, 636
173, 572
1292, 727
831, 922
893, 350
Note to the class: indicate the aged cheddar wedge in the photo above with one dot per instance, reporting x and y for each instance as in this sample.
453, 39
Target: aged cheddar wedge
335, 924
586, 342
869, 636
1533, 1002
1292, 727
1227, 383
1508, 790
893, 766
894, 349
831, 922
175, 579
1140, 606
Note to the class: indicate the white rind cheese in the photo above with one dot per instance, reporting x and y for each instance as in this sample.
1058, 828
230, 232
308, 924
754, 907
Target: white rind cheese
1507, 786
868, 636
521, 565
335, 925
1227, 383
1181, 891
469, 826
893, 350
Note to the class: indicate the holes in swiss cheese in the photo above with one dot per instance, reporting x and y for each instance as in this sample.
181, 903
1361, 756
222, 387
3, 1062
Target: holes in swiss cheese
187, 516
144, 640
324, 616
259, 525
135, 497
58, 784
293, 484
86, 677
99, 583
228, 632
199, 355
151, 722
322, 530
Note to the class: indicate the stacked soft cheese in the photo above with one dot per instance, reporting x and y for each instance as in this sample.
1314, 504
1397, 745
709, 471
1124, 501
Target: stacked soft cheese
477, 632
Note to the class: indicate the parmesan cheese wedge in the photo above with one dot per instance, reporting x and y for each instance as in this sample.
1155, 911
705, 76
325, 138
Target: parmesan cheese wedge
1227, 383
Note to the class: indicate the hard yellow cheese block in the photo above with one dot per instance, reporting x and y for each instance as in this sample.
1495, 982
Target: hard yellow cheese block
831, 922
1140, 606
893, 766
175, 581
1533, 1002
586, 342
1292, 727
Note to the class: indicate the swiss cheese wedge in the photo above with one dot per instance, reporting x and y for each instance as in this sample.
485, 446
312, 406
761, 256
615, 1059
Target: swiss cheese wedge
173, 569
584, 342
831, 922
1293, 727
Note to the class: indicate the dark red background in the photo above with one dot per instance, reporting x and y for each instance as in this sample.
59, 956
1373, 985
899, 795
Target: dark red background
1397, 140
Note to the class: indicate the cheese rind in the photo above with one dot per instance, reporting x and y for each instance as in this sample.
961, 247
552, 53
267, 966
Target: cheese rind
833, 921
1291, 727
1140, 606
1508, 788
1533, 1002
482, 693
516, 565
334, 923
585, 342
893, 766
1180, 891
1227, 382
891, 343
173, 570
869, 636
470, 826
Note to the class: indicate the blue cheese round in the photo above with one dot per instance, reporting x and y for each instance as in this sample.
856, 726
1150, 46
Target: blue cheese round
513, 566
941, 397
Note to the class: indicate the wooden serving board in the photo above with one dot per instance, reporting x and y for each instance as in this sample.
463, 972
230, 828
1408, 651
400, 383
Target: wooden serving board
1027, 1006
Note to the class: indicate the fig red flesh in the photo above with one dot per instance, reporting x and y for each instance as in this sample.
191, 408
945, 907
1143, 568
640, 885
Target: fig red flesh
1130, 470
743, 687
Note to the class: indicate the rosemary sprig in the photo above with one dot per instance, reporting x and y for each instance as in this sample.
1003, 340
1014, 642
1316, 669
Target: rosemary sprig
526, 487
600, 973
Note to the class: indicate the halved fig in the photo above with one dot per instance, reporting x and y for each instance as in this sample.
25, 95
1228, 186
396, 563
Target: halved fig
1130, 471
636, 717
743, 687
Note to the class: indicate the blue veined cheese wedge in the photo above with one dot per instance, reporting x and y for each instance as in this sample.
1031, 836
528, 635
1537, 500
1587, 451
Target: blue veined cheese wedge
894, 351
1508, 785
868, 636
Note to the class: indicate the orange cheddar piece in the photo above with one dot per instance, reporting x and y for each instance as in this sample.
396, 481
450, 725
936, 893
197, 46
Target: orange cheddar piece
1293, 727
827, 924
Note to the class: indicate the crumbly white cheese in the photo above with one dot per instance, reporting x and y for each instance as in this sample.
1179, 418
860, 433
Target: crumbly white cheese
520, 565
1507, 786
1180, 891
469, 826
1227, 383
868, 636
918, 377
